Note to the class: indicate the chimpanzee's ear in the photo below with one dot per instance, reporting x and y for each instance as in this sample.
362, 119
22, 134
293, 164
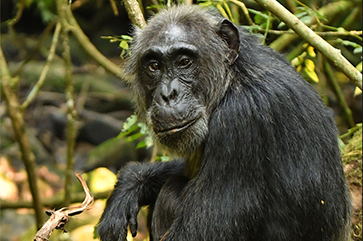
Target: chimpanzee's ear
229, 33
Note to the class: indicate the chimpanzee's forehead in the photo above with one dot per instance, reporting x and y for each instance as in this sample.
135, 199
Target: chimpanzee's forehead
172, 34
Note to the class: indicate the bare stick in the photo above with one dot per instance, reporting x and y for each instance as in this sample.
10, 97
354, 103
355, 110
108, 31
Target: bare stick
60, 217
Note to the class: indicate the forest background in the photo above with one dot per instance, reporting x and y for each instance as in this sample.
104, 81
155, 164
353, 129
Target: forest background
63, 104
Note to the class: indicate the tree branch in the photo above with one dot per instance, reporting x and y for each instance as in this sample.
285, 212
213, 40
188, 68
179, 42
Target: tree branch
135, 13
329, 11
314, 40
18, 124
89, 47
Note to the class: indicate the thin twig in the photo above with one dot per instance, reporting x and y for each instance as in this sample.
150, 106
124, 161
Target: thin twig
89, 47
244, 10
18, 15
267, 28
69, 92
338, 92
114, 7
33, 93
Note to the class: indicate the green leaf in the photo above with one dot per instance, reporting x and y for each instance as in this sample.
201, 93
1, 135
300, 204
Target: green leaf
341, 30
149, 141
163, 158
141, 144
205, 4
126, 37
302, 14
341, 144
124, 45
306, 20
358, 50
143, 128
129, 122
127, 132
133, 137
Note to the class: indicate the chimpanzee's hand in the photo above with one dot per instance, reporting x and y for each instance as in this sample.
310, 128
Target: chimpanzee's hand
137, 185
120, 212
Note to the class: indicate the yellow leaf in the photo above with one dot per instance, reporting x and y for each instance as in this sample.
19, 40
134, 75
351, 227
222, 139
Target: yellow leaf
357, 92
220, 8
310, 70
228, 11
311, 52
309, 64
359, 67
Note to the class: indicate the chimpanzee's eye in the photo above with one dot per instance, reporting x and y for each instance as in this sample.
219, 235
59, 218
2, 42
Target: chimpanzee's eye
185, 63
154, 66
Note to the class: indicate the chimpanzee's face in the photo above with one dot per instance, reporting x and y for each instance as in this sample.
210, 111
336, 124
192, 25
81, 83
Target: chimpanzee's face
169, 74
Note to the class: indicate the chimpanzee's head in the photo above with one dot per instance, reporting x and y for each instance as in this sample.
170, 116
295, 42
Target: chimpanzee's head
180, 69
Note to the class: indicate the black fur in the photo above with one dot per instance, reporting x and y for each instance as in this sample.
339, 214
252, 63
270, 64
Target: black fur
260, 159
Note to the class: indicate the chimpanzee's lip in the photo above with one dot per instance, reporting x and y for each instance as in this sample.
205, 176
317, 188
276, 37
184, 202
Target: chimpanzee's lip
179, 128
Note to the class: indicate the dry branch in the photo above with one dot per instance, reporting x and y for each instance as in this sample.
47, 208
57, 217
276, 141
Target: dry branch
60, 217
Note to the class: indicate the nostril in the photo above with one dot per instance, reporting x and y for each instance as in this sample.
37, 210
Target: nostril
172, 94
165, 99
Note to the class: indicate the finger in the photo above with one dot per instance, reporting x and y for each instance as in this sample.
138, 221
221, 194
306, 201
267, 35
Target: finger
134, 210
133, 225
123, 235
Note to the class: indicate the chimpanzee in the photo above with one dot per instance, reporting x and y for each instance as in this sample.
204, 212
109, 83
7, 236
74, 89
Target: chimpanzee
259, 158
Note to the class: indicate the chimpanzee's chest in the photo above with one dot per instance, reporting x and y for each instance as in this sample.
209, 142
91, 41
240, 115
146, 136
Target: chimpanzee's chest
167, 205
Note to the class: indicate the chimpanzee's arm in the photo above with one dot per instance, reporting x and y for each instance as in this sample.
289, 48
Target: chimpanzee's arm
137, 185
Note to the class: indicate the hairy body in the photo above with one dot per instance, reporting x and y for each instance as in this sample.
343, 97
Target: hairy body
259, 158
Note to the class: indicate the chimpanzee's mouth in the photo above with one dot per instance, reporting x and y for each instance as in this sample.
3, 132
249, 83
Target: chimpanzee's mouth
178, 128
